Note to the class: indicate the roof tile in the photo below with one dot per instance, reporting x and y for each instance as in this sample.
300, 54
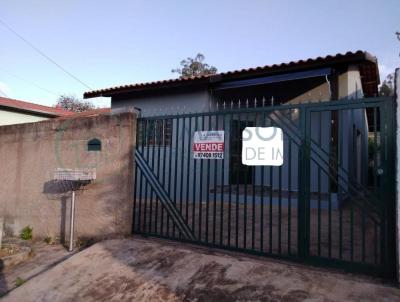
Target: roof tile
242, 72
36, 108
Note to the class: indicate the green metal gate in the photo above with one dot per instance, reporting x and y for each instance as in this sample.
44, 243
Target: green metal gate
331, 203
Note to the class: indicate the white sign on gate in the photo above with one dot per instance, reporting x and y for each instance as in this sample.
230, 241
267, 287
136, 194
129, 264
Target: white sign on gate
208, 144
262, 146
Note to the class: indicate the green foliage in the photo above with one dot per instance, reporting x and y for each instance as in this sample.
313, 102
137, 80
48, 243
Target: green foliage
195, 67
385, 90
387, 87
19, 281
26, 233
72, 103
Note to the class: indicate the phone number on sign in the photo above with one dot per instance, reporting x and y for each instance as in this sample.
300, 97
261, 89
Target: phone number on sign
210, 155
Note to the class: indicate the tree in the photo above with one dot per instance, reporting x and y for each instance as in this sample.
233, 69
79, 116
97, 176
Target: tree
72, 103
192, 67
387, 88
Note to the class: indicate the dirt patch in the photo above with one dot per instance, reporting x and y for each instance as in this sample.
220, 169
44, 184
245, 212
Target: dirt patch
211, 283
29, 262
9, 250
161, 261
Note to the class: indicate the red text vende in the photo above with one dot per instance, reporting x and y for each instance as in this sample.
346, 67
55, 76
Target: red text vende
210, 147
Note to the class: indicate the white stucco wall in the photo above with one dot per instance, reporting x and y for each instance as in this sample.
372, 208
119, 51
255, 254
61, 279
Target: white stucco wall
11, 117
350, 84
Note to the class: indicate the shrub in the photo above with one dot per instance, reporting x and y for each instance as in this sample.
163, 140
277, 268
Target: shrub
26, 233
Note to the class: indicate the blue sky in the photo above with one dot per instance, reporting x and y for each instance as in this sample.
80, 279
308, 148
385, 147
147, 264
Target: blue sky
107, 43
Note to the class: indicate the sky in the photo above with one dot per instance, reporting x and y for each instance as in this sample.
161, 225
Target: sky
110, 43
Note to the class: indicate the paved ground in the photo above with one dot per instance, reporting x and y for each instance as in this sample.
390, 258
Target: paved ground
44, 257
349, 234
153, 270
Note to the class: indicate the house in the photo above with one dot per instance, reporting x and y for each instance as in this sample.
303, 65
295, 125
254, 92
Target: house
334, 77
350, 75
328, 198
18, 112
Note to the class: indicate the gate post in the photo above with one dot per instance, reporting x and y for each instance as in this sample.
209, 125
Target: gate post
397, 103
304, 186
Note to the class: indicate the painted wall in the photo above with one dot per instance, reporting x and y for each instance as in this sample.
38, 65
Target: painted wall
317, 94
177, 103
11, 117
29, 154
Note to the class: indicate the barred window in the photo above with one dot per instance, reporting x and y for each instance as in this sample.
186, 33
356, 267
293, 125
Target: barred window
154, 133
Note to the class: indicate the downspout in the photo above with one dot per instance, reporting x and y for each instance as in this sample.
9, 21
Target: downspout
329, 87
210, 100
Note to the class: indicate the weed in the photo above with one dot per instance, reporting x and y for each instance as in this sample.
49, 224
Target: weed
49, 240
26, 233
19, 281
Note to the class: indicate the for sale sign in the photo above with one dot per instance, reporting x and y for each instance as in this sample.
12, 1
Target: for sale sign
208, 145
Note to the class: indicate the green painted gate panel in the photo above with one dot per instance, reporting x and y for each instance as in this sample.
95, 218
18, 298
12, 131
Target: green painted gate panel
331, 203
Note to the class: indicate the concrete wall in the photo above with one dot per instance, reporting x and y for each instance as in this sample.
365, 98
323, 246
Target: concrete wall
29, 153
8, 117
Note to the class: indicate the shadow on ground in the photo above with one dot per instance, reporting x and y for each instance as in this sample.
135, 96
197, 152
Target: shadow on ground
3, 283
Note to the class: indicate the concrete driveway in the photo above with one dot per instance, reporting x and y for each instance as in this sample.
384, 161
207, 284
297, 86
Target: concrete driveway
138, 269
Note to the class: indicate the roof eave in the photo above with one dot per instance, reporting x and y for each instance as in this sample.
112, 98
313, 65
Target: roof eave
350, 57
35, 112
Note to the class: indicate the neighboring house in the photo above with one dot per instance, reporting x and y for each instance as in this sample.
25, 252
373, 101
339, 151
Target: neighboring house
18, 112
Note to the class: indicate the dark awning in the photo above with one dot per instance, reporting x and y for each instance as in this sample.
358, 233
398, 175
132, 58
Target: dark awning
275, 79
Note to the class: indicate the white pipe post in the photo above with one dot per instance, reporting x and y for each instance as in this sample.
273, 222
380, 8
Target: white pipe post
71, 234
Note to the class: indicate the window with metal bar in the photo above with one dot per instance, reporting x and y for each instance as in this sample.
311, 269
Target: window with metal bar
155, 133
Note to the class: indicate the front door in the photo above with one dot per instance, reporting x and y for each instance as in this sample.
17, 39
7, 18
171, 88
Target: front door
238, 173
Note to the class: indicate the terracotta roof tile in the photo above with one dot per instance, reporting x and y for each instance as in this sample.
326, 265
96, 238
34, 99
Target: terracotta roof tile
356, 56
31, 107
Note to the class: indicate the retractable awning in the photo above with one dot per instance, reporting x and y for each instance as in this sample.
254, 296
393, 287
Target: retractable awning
275, 79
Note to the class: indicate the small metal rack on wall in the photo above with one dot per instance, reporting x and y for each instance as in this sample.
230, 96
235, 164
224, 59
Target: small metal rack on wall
74, 180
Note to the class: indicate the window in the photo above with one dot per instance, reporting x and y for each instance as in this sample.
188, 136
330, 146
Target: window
154, 133
94, 145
